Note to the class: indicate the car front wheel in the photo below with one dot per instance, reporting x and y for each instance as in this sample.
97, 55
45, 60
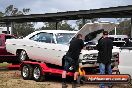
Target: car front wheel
23, 56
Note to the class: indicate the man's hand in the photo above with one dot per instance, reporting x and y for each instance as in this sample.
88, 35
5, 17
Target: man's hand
84, 47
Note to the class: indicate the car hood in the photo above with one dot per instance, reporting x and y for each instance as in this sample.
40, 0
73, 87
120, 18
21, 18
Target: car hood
93, 31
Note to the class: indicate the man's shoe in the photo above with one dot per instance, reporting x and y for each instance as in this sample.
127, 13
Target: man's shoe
64, 85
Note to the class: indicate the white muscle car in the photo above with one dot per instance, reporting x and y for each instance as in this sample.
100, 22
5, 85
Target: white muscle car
49, 46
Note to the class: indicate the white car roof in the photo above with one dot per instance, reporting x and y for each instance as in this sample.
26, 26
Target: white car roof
86, 29
50, 31
57, 31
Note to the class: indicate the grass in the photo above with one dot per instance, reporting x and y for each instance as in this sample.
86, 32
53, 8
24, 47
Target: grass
4, 64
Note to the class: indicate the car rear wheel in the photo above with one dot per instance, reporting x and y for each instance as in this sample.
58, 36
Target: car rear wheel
37, 74
26, 72
23, 56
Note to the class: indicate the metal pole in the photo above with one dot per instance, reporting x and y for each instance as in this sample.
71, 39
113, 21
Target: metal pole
83, 21
131, 29
115, 30
7, 25
11, 28
56, 25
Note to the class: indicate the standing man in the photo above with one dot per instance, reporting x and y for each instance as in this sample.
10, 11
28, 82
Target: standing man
105, 46
76, 45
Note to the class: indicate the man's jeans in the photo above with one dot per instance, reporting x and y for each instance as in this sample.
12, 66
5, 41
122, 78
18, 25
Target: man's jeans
103, 68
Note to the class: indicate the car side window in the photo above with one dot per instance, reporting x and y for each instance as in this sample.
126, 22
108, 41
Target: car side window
35, 37
43, 37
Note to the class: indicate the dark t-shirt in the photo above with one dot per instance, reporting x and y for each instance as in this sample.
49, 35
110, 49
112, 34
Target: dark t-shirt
105, 47
76, 45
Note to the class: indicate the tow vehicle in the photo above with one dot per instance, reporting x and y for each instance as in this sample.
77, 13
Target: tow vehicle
4, 55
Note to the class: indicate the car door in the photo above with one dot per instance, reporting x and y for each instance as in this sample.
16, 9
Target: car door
45, 47
62, 45
60, 50
33, 50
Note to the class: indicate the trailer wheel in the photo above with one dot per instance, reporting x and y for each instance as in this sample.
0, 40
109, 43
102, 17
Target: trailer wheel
27, 72
81, 80
23, 56
37, 74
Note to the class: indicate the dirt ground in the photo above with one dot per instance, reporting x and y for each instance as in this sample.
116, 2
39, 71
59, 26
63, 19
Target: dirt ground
13, 79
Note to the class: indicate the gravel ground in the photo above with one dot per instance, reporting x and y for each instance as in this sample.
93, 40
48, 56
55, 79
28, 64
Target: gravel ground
12, 79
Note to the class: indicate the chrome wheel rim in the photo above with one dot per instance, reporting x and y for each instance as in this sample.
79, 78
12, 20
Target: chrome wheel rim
25, 71
36, 73
23, 56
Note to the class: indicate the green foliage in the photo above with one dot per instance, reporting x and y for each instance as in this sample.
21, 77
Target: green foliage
124, 28
60, 26
19, 29
23, 29
1, 14
13, 11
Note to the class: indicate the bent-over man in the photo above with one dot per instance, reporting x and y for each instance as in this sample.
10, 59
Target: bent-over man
76, 45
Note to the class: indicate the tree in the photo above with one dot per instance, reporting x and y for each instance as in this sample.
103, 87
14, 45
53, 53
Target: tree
20, 29
1, 14
60, 26
124, 27
13, 11
23, 29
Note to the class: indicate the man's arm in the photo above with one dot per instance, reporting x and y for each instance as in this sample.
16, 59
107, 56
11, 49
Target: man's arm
98, 46
112, 44
82, 44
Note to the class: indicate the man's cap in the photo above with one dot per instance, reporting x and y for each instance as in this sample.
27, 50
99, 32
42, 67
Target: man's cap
105, 32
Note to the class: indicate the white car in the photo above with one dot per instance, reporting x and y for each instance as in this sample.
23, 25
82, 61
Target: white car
49, 46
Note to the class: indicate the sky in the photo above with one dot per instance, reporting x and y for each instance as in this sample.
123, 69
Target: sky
52, 6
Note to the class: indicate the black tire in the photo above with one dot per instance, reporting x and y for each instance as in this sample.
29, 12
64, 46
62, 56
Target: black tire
37, 74
81, 80
15, 63
23, 56
27, 72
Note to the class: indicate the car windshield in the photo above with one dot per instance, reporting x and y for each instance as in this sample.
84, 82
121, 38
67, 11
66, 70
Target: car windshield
64, 38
